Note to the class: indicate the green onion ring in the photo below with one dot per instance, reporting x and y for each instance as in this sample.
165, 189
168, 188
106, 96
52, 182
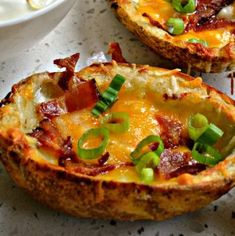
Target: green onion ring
147, 175
137, 153
189, 7
149, 159
117, 82
211, 135
109, 96
206, 154
93, 153
201, 41
175, 26
116, 122
99, 108
197, 124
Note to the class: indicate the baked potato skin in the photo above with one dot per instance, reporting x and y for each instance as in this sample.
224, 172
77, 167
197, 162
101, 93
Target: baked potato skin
86, 196
186, 57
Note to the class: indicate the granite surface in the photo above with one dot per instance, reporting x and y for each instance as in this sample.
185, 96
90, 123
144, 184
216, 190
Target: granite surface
88, 29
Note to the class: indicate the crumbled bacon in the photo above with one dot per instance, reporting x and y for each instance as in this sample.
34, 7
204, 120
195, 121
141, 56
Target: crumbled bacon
103, 159
68, 77
116, 53
204, 18
84, 95
51, 141
174, 96
205, 15
67, 153
212, 24
91, 170
174, 163
78, 94
49, 137
50, 109
69, 62
170, 131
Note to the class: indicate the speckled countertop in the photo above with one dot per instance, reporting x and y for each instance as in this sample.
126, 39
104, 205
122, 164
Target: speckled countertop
88, 29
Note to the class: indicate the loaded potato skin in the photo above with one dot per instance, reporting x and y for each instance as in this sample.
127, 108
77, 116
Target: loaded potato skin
75, 191
187, 50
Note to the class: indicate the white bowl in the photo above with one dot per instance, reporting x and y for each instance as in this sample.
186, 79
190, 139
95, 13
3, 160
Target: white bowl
23, 32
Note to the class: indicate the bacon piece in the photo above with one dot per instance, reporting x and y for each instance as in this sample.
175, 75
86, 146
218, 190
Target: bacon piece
214, 23
67, 153
84, 95
68, 81
50, 140
68, 77
48, 137
103, 159
50, 109
205, 16
171, 131
93, 169
174, 96
69, 62
175, 163
116, 53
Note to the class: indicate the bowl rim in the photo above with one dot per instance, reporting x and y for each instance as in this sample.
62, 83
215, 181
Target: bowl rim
28, 17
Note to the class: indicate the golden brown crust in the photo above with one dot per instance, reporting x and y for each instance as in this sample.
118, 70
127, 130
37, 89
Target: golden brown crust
199, 59
86, 196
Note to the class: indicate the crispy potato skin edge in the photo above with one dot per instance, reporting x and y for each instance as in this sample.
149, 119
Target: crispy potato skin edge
87, 197
183, 56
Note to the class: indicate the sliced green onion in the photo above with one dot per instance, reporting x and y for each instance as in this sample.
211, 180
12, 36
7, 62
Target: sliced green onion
109, 96
201, 41
117, 82
117, 122
184, 6
93, 153
99, 108
147, 175
175, 26
211, 135
197, 124
206, 154
137, 153
149, 159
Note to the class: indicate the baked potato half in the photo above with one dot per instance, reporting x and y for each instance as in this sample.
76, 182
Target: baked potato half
193, 34
45, 115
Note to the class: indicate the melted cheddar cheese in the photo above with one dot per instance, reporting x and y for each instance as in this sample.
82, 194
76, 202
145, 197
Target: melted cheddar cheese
143, 122
215, 38
161, 11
